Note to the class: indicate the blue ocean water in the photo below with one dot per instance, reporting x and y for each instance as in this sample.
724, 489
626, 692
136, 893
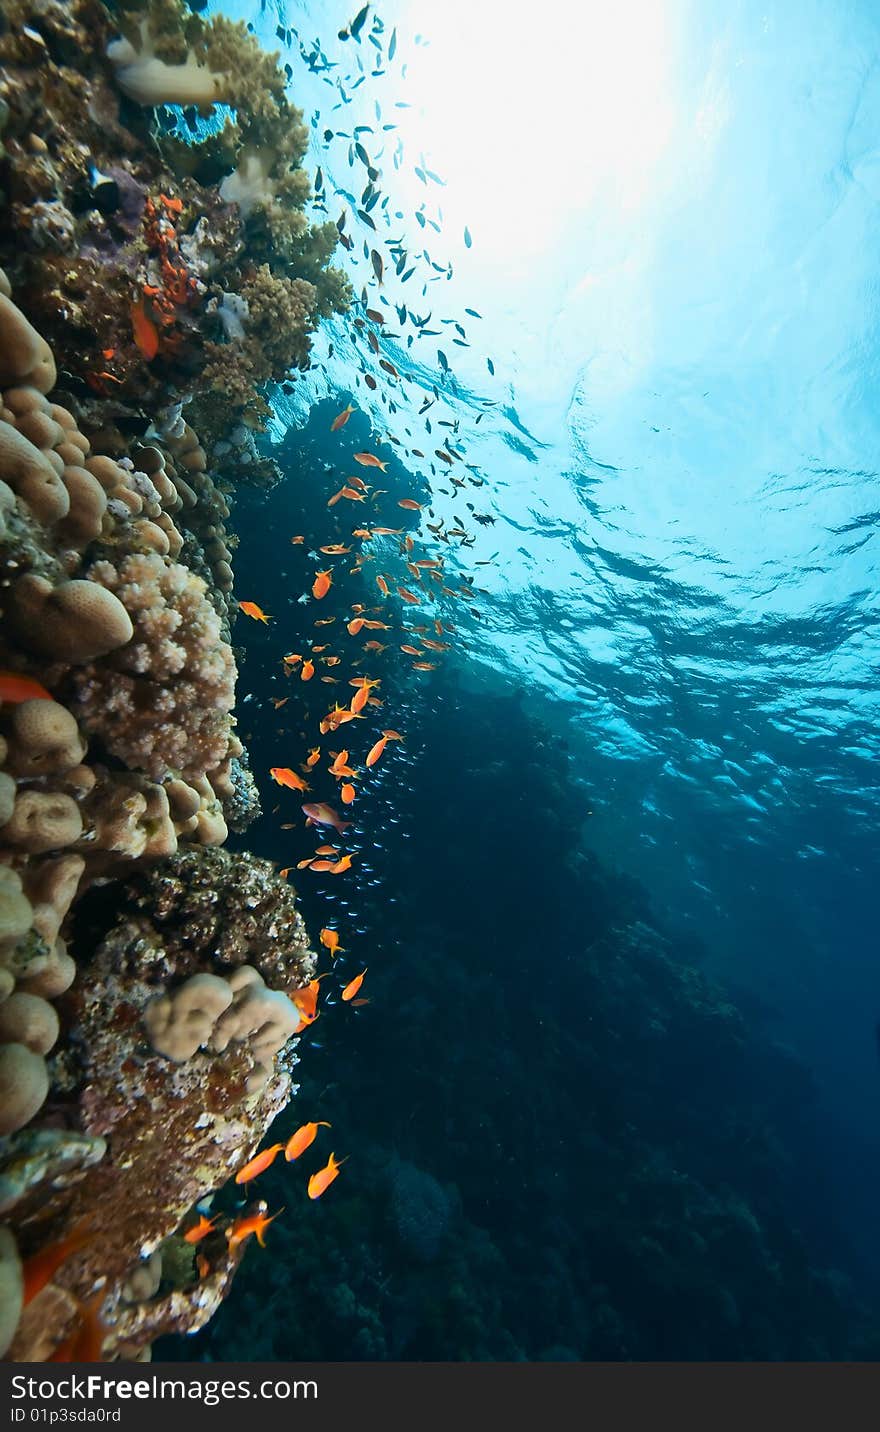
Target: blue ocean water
670, 393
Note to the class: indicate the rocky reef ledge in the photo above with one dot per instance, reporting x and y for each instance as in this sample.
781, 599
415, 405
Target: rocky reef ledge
147, 977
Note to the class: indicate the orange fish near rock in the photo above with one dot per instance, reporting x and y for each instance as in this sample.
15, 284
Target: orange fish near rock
306, 999
242, 1228
146, 335
15, 688
284, 776
330, 940
324, 1177
258, 1164
201, 1229
303, 1139
251, 609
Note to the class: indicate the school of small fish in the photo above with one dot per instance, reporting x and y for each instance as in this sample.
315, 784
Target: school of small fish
416, 571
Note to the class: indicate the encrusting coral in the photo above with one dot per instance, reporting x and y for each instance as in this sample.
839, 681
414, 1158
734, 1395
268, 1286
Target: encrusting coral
146, 977
132, 247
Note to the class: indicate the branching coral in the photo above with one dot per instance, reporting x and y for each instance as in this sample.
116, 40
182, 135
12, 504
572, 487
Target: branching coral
163, 703
280, 316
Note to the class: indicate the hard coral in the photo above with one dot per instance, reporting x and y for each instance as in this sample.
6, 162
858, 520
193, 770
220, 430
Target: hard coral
280, 317
162, 704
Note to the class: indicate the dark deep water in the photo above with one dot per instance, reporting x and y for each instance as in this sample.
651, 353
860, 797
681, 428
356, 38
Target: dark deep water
565, 1140
616, 1093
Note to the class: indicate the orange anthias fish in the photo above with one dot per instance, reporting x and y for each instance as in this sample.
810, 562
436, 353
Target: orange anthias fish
355, 625
330, 940
284, 776
279, 701
383, 586
409, 504
40, 1268
303, 1139
353, 986
347, 793
424, 666
411, 650
340, 766
407, 595
314, 756
307, 671
336, 549
306, 999
251, 609
321, 814
15, 688
258, 1164
321, 585
242, 1228
201, 1229
369, 459
362, 695
324, 1177
376, 751
341, 419
146, 335
343, 864
297, 541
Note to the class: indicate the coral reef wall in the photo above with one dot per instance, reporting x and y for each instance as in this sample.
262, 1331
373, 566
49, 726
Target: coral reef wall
152, 285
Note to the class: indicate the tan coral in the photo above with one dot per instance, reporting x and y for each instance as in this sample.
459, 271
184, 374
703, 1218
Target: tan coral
44, 739
28, 1019
31, 476
88, 504
16, 911
181, 1022
129, 816
51, 974
24, 354
42, 821
50, 886
143, 1281
11, 1288
264, 1018
7, 797
24, 1085
75, 621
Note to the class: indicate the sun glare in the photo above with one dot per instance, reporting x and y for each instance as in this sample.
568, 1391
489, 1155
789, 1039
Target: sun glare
529, 111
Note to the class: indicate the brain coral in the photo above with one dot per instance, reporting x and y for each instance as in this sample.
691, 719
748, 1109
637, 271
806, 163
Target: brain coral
162, 703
